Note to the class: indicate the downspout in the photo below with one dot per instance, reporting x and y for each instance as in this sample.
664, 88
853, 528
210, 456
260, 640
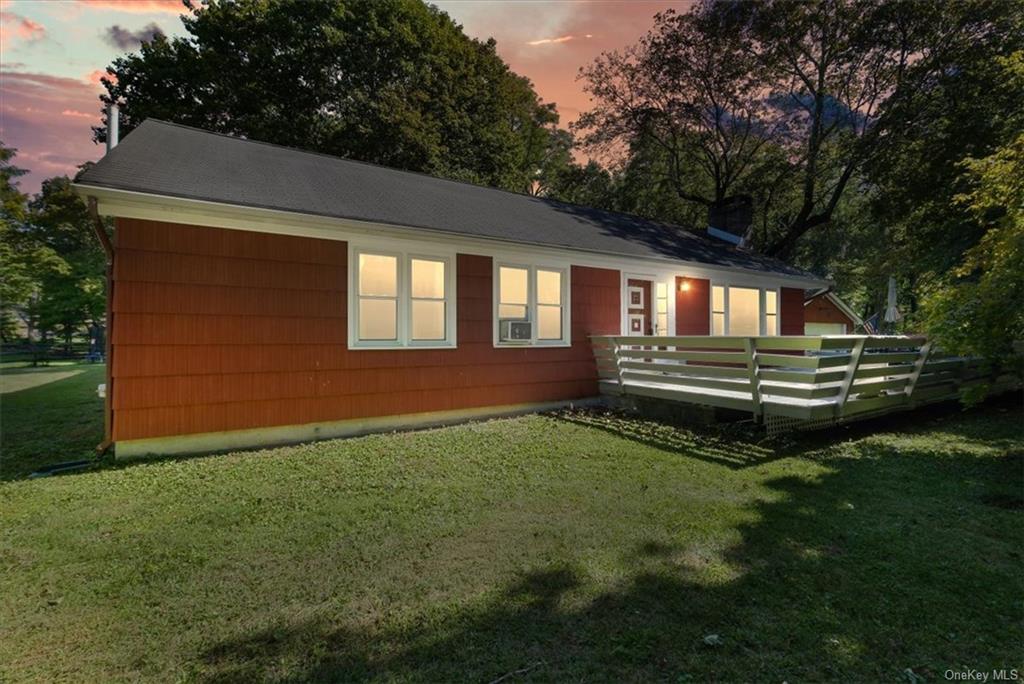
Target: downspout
108, 398
113, 137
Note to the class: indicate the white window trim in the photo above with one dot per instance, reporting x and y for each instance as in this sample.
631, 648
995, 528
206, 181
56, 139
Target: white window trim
404, 323
531, 303
762, 309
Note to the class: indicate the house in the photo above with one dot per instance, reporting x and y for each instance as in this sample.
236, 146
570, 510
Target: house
262, 295
826, 314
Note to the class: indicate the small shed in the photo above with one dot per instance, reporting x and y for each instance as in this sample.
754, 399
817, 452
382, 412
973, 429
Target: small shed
826, 314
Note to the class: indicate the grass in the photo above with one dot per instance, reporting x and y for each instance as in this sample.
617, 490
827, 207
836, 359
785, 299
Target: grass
48, 415
577, 546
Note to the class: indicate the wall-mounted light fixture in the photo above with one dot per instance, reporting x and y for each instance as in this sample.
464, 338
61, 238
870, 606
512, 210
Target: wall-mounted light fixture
684, 285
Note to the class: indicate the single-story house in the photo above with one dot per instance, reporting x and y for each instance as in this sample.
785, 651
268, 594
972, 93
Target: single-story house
261, 294
826, 314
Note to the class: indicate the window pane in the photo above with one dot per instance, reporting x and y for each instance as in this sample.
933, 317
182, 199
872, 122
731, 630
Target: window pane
378, 319
663, 324
662, 305
769, 325
718, 324
513, 285
514, 311
378, 275
549, 287
770, 302
718, 299
662, 290
549, 322
427, 279
427, 319
744, 311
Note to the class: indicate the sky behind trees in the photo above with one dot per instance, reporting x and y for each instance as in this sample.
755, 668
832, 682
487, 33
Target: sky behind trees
54, 53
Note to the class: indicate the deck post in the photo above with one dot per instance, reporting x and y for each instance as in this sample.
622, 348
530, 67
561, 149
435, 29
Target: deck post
618, 364
922, 359
750, 346
851, 374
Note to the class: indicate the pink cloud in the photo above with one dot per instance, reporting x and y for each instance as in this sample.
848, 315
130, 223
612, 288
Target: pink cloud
95, 77
550, 44
15, 26
47, 118
136, 6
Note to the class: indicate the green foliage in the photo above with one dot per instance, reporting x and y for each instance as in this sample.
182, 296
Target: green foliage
976, 308
394, 82
52, 268
72, 297
24, 262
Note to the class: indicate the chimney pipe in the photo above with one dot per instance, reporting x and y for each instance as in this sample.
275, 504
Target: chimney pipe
113, 115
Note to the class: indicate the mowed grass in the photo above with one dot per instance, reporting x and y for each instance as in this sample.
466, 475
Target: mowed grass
576, 546
48, 415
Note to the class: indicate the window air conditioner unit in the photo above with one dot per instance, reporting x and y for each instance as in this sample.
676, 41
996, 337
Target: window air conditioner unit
515, 331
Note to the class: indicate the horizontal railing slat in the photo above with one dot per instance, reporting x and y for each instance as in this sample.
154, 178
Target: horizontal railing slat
686, 369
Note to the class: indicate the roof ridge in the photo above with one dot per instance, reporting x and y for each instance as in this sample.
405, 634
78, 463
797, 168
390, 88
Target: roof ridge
689, 231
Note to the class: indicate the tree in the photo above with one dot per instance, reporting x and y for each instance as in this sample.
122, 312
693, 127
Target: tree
690, 90
71, 297
975, 308
24, 263
393, 82
791, 100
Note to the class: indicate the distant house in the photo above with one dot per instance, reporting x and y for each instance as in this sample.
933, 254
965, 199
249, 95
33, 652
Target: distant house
826, 314
262, 294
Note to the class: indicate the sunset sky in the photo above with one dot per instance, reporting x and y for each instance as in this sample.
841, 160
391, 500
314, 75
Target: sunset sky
54, 52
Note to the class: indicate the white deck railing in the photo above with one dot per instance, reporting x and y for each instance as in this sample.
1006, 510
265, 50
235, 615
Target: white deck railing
831, 378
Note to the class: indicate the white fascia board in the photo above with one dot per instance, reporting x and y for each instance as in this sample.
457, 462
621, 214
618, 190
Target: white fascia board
140, 205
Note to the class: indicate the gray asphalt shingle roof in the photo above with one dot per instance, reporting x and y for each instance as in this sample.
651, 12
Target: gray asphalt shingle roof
169, 159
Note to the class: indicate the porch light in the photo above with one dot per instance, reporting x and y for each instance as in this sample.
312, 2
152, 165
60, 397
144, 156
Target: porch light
684, 286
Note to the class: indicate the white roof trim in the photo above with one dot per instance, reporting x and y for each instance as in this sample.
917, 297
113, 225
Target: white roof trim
140, 205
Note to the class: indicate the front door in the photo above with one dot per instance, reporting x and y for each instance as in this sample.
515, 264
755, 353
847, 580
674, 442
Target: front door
638, 307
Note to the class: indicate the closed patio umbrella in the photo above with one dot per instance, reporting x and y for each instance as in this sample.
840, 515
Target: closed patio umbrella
892, 314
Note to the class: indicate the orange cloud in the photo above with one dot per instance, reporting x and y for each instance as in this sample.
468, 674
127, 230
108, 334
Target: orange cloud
75, 112
137, 6
15, 25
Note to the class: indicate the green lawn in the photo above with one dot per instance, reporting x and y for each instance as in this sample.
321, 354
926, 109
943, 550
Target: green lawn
546, 548
48, 415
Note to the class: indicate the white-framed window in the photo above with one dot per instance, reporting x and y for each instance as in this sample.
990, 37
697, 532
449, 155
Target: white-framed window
661, 308
744, 310
771, 312
401, 299
531, 305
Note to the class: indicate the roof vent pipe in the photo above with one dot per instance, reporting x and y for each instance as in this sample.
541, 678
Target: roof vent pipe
113, 115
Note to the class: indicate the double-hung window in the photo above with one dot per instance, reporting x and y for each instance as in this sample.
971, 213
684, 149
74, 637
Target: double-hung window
746, 311
531, 305
401, 300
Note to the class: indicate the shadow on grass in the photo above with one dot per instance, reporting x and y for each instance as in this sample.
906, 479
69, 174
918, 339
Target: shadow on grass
744, 444
868, 573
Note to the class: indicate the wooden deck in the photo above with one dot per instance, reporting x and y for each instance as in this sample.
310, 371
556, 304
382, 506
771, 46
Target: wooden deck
791, 381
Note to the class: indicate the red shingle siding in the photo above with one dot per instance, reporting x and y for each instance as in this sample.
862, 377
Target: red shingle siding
225, 330
822, 310
791, 309
693, 307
